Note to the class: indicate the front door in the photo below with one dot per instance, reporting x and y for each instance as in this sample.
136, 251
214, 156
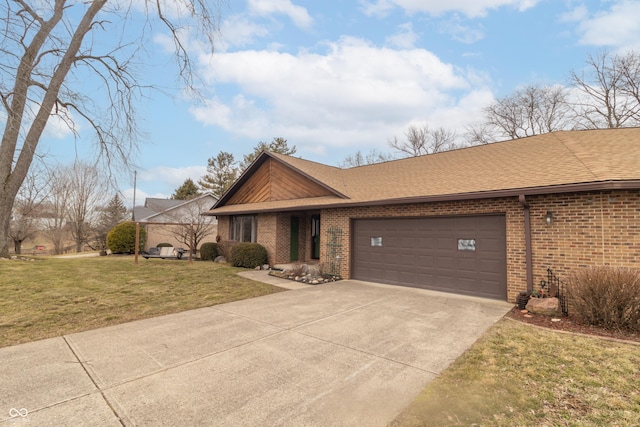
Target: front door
295, 235
315, 237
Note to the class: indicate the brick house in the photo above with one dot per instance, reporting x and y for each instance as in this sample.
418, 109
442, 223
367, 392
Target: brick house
160, 216
486, 220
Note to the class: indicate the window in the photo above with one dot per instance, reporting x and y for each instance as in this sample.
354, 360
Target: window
244, 228
466, 244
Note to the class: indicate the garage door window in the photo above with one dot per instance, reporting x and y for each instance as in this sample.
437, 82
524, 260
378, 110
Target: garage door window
376, 241
466, 244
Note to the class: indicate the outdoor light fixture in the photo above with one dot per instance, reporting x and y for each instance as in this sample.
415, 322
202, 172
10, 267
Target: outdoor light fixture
549, 218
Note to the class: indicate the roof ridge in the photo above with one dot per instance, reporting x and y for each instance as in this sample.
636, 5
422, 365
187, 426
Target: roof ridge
559, 135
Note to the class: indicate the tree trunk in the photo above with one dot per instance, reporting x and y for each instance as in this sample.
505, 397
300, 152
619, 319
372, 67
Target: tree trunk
17, 246
6, 206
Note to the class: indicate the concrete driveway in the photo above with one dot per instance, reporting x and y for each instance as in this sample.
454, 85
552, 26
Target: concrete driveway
343, 354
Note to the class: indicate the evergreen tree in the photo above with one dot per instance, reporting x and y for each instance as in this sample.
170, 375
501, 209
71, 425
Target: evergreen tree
114, 213
278, 145
188, 190
221, 173
111, 215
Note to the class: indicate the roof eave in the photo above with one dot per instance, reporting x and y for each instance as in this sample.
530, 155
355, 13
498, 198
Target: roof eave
514, 192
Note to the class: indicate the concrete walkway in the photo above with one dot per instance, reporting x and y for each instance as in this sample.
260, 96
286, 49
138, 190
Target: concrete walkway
347, 353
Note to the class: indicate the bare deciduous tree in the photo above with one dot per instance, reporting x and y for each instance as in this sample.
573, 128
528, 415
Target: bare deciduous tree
195, 226
424, 140
55, 209
532, 110
87, 191
24, 222
359, 159
53, 51
608, 91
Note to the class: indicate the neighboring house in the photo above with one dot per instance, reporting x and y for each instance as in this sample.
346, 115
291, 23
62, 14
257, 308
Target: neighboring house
162, 215
486, 220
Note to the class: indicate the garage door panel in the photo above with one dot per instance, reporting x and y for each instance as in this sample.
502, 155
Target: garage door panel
424, 252
470, 265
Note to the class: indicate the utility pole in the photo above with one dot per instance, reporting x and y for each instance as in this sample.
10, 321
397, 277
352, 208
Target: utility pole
133, 210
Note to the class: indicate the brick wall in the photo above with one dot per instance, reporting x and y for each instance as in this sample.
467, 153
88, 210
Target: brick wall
588, 229
510, 207
160, 233
597, 228
592, 228
268, 230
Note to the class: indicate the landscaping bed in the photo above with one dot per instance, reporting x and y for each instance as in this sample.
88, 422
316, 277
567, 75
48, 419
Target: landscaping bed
570, 324
310, 277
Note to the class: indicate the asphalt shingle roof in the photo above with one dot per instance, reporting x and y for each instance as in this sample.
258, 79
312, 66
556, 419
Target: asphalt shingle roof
555, 159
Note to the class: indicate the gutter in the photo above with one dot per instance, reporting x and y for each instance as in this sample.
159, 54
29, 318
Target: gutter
527, 241
250, 208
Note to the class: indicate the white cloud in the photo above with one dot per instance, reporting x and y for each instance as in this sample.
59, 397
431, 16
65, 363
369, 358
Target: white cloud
376, 8
459, 31
470, 8
576, 14
297, 14
61, 126
239, 31
618, 27
140, 196
404, 38
171, 177
354, 94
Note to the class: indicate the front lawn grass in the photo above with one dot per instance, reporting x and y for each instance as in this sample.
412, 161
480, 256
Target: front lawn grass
50, 297
519, 375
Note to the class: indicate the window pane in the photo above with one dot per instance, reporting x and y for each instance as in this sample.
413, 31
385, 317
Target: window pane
246, 229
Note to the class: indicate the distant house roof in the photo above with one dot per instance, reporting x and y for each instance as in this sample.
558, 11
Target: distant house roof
554, 162
154, 207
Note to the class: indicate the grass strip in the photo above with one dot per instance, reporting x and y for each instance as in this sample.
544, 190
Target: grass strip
50, 297
517, 375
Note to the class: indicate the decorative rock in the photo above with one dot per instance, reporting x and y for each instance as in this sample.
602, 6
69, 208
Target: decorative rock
555, 319
528, 316
314, 282
545, 306
220, 259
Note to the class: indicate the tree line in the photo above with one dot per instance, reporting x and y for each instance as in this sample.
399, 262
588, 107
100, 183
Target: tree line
68, 203
604, 94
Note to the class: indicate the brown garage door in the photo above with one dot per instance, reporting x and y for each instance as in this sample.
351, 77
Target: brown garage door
465, 255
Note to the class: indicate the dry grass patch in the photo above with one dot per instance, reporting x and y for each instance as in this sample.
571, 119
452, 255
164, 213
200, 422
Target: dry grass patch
52, 297
520, 375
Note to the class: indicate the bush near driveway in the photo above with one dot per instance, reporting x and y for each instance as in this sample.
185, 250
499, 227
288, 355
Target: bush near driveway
208, 251
248, 255
606, 296
56, 296
121, 239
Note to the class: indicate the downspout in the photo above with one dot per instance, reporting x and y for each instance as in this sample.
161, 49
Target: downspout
527, 241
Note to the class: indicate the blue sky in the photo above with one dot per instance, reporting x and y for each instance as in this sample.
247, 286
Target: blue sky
335, 77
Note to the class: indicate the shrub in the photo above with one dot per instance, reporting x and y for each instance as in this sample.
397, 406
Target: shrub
248, 255
224, 248
164, 245
121, 239
208, 251
606, 296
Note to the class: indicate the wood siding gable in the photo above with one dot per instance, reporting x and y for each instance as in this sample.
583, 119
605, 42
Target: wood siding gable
272, 181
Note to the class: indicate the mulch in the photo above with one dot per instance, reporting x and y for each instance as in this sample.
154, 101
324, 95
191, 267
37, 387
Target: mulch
572, 325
